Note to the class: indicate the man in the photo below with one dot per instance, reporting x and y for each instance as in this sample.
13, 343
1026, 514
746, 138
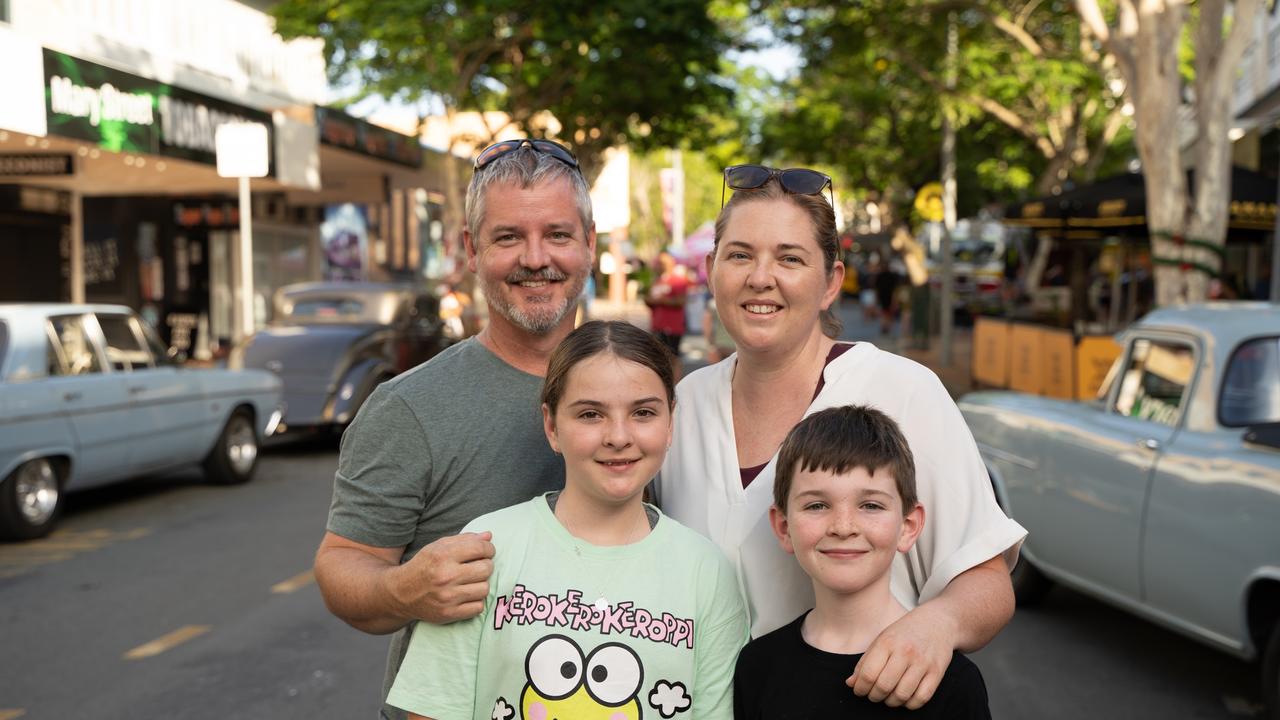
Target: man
461, 435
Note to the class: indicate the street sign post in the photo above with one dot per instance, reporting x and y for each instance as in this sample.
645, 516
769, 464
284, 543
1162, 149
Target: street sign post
242, 151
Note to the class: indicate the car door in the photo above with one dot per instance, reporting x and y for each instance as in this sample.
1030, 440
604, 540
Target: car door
1101, 470
160, 393
95, 401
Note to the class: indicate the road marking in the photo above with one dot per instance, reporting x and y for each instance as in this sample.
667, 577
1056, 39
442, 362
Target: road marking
11, 714
296, 582
61, 545
166, 642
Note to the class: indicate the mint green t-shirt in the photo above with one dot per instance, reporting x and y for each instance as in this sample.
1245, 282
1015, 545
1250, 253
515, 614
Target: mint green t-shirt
575, 630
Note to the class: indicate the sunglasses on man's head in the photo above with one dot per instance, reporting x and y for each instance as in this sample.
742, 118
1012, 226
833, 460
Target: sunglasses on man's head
546, 147
797, 181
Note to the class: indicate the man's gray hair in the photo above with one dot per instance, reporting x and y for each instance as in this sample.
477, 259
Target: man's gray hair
524, 167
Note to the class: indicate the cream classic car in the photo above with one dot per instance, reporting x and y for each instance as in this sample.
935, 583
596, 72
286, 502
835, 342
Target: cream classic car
1162, 496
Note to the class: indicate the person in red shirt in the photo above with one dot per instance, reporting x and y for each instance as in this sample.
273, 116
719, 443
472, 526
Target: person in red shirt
666, 301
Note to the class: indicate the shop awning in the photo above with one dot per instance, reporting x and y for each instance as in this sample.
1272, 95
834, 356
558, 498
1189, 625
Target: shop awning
1117, 206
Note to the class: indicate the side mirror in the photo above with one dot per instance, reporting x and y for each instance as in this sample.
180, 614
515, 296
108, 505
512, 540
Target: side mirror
176, 356
1266, 434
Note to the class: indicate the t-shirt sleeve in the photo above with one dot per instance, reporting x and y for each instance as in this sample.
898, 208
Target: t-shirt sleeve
746, 681
438, 676
963, 525
720, 631
966, 692
379, 489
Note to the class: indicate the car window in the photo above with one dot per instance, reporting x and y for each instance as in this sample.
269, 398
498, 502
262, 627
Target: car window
326, 309
78, 356
124, 350
1154, 382
1251, 387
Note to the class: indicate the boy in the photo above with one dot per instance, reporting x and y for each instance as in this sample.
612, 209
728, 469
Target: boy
844, 505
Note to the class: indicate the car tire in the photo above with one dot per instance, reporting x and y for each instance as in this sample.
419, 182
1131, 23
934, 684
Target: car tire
235, 455
30, 500
1271, 675
1029, 584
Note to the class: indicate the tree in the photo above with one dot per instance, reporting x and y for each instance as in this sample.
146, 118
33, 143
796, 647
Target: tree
1188, 232
1027, 91
636, 71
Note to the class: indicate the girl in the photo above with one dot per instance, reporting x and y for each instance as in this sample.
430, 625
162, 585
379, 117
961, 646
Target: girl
599, 607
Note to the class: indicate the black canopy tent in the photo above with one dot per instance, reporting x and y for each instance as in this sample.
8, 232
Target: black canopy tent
1112, 211
1116, 206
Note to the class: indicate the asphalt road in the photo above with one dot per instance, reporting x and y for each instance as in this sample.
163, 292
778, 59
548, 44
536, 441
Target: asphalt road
170, 598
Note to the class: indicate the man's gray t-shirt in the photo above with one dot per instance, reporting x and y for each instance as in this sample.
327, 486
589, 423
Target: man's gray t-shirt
433, 449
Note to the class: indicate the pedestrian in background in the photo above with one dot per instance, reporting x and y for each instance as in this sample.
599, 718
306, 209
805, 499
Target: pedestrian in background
666, 301
913, 258
419, 463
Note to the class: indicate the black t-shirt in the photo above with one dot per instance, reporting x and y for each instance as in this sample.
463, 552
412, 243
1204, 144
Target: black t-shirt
781, 677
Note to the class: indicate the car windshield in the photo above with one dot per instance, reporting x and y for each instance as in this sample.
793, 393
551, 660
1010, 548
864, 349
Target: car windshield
333, 309
1251, 386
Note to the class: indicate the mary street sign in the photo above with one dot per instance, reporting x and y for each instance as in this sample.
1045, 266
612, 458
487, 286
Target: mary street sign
29, 165
127, 113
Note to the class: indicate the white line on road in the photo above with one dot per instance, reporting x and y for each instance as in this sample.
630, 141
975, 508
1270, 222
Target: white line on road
166, 642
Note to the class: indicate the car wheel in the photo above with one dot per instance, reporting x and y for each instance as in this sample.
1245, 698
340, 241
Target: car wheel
1271, 675
30, 500
234, 456
1029, 584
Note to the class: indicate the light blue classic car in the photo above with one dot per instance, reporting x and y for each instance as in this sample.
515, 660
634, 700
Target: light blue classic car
88, 397
1162, 496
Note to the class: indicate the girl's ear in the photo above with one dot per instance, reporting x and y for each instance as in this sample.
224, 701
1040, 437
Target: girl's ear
912, 524
549, 427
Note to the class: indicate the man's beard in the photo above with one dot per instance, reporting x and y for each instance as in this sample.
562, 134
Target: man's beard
544, 315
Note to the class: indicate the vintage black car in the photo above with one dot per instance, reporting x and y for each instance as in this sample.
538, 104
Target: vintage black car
332, 343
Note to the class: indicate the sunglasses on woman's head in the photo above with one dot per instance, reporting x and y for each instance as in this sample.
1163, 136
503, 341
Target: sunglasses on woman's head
797, 181
546, 147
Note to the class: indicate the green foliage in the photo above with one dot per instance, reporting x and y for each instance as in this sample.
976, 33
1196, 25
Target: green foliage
643, 72
1027, 103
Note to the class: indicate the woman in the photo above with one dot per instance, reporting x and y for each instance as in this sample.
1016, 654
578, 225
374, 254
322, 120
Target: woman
774, 274
599, 607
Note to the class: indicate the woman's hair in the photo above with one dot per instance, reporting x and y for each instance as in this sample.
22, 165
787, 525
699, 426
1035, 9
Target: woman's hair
614, 337
821, 215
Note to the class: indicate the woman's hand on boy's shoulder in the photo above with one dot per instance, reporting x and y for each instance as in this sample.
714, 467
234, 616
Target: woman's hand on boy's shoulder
906, 662
445, 581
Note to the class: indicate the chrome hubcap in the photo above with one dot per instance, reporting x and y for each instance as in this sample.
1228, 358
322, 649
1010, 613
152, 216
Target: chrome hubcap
242, 445
37, 489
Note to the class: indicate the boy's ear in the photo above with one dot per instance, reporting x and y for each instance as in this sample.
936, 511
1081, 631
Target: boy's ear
549, 427
912, 524
778, 521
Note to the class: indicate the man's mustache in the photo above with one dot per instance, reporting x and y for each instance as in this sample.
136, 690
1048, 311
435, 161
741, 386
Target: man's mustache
524, 275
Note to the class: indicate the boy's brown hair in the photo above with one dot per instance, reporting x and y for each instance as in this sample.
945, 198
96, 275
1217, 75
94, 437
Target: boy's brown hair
841, 439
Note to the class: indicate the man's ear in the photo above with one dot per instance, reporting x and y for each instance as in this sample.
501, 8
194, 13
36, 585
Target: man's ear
549, 427
469, 243
912, 524
778, 521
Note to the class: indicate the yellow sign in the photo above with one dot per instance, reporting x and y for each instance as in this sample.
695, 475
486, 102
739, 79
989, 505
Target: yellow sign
990, 362
1057, 353
1026, 370
929, 202
1094, 356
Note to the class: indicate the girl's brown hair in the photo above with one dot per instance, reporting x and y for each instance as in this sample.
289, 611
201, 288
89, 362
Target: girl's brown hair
820, 213
613, 337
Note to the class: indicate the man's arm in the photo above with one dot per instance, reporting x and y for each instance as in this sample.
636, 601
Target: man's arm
905, 663
371, 590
